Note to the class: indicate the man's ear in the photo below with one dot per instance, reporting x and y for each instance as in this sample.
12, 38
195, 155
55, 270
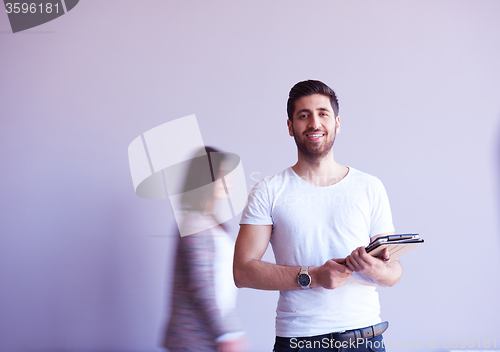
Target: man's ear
337, 124
290, 127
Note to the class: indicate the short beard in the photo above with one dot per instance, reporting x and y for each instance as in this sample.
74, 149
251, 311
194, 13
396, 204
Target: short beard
311, 156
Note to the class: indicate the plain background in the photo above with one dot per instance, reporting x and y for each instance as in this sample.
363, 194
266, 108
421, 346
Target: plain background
85, 264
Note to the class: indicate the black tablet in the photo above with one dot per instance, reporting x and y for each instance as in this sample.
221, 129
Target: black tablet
397, 244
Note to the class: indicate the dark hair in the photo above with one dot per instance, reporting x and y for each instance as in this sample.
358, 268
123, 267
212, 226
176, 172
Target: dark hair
202, 172
310, 87
198, 174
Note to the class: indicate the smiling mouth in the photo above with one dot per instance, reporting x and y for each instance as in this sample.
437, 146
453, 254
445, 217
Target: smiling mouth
315, 136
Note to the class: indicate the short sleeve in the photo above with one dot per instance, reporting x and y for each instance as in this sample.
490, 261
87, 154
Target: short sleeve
258, 208
381, 216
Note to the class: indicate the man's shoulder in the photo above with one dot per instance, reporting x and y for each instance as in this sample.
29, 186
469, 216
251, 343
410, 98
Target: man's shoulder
361, 176
260, 199
274, 180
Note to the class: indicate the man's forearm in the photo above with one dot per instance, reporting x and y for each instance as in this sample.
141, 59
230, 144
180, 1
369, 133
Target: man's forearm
250, 271
262, 275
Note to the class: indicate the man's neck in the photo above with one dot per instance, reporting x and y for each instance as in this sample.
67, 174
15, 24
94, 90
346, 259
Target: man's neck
321, 172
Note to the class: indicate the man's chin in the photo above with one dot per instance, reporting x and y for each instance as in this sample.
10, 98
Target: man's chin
313, 154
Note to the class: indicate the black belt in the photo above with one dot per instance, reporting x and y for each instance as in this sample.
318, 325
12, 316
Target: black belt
348, 335
363, 333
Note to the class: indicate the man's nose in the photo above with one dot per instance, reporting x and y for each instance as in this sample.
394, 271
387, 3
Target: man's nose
314, 122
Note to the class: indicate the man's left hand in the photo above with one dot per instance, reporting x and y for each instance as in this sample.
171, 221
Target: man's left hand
367, 265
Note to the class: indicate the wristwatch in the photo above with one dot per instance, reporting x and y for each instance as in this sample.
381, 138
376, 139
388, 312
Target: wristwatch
304, 279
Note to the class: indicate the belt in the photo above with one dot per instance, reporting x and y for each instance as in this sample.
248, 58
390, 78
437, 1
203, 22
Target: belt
363, 333
350, 336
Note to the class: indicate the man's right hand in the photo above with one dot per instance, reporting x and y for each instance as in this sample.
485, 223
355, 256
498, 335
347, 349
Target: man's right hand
330, 275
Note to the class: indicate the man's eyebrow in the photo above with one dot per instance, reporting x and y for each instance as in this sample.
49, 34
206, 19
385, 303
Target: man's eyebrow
324, 109
301, 111
307, 110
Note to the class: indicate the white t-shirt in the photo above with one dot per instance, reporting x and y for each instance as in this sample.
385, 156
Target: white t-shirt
311, 225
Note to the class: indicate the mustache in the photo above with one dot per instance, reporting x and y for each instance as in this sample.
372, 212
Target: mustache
314, 130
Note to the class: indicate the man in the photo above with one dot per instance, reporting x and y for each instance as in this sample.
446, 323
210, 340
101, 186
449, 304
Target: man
318, 215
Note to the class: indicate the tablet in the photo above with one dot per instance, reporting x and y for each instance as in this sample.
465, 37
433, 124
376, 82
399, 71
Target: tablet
397, 244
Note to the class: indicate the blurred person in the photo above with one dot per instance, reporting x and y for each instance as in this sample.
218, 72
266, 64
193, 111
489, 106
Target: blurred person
318, 216
203, 294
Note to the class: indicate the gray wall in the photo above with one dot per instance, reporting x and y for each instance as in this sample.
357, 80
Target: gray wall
85, 263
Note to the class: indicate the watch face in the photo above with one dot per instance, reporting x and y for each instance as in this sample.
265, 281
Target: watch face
304, 280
